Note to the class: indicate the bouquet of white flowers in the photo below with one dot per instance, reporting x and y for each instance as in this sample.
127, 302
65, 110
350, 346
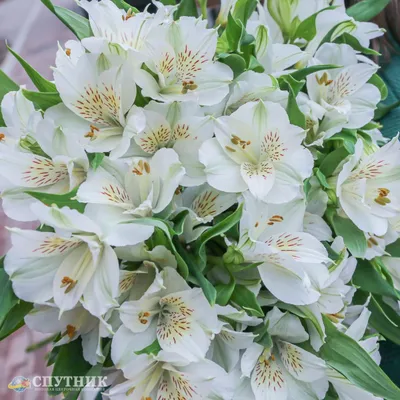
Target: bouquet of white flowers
219, 214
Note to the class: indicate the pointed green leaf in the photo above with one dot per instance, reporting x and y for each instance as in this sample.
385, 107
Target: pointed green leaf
186, 8
7, 297
370, 279
60, 200
79, 25
43, 100
377, 81
307, 29
42, 84
366, 10
353, 237
15, 319
125, 6
6, 85
345, 355
246, 299
243, 10
296, 117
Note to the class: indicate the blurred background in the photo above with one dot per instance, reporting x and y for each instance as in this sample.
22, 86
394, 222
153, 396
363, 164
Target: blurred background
32, 31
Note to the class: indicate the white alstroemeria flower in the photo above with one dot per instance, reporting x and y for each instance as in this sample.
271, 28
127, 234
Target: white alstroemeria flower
162, 375
334, 290
141, 189
77, 263
181, 55
321, 124
20, 117
367, 187
100, 90
180, 318
291, 259
72, 324
204, 203
180, 126
226, 347
284, 371
51, 162
257, 148
344, 91
253, 86
115, 26
271, 51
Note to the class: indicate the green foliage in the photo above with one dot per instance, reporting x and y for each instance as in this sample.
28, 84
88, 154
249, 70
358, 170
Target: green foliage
96, 159
304, 72
236, 62
125, 6
347, 357
153, 348
6, 85
76, 23
60, 200
246, 299
296, 117
69, 362
377, 81
347, 38
366, 10
15, 318
331, 161
372, 278
42, 100
186, 8
307, 29
384, 109
353, 237
243, 10
42, 84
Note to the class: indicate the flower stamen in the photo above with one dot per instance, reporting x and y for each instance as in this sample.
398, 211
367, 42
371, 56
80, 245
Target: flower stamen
69, 283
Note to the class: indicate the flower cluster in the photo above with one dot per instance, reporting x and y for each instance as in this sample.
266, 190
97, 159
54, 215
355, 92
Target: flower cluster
218, 211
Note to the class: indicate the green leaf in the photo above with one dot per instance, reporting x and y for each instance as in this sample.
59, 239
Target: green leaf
96, 370
225, 291
243, 10
366, 10
384, 319
394, 248
247, 300
79, 25
42, 84
96, 159
125, 6
236, 62
348, 138
347, 38
263, 337
382, 110
60, 200
69, 362
377, 81
15, 319
233, 32
153, 348
304, 72
346, 356
7, 297
217, 230
254, 65
296, 117
203, 7
332, 160
43, 100
179, 221
6, 85
307, 28
169, 232
186, 8
371, 279
322, 179
353, 237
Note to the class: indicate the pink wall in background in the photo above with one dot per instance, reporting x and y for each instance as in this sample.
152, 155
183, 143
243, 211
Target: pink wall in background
33, 32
